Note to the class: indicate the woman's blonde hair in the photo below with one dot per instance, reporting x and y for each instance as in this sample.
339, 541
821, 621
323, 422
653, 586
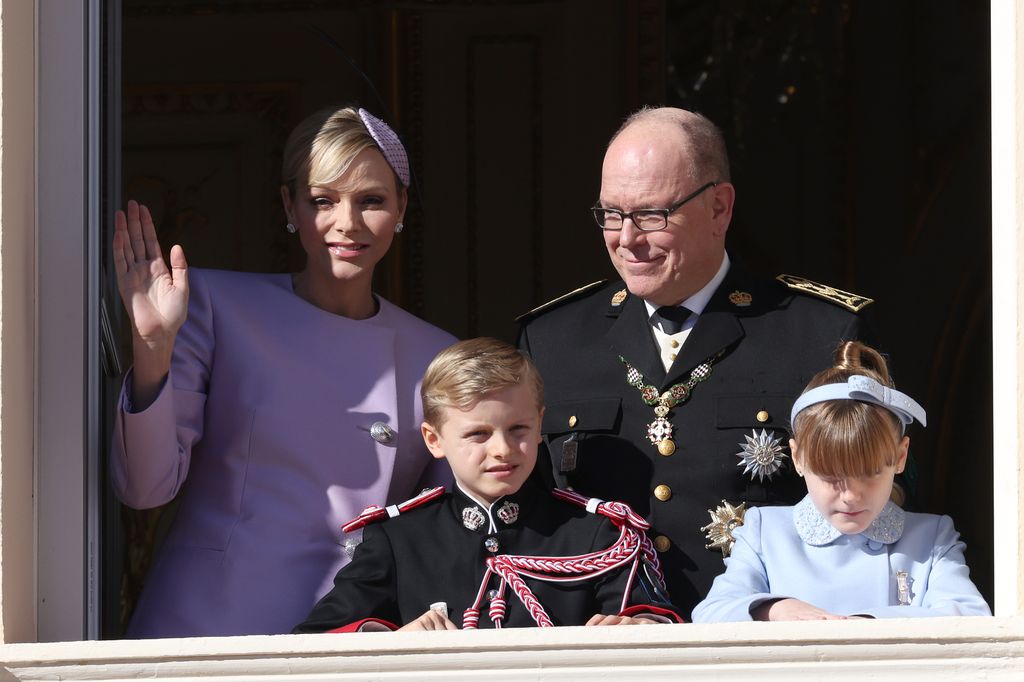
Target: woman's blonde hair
322, 147
464, 372
848, 438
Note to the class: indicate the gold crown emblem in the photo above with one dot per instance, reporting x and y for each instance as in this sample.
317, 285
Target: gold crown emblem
741, 298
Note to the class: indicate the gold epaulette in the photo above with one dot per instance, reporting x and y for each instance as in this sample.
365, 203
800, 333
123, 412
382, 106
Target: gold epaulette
561, 299
852, 302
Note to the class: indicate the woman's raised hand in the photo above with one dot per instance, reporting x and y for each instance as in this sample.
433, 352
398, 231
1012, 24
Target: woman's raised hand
155, 297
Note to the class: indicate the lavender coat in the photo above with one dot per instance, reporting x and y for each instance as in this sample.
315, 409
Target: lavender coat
267, 412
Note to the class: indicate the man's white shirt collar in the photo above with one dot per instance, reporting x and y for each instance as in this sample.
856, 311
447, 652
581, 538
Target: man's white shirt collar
696, 303
669, 344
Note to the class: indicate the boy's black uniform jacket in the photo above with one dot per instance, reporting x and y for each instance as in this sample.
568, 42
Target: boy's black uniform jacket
427, 555
772, 340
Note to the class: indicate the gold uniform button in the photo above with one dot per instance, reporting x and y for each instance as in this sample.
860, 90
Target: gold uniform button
572, 421
762, 416
674, 344
662, 543
673, 356
663, 492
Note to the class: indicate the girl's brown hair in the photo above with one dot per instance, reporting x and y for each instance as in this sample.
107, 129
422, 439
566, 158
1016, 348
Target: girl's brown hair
848, 438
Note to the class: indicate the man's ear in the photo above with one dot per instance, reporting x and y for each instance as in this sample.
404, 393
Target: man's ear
722, 200
432, 438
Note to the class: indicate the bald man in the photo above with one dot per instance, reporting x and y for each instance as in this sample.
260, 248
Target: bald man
670, 388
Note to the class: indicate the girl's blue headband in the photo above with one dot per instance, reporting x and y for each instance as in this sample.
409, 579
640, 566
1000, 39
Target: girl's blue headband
866, 390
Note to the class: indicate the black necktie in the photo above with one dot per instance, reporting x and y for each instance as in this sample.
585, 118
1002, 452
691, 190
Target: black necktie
672, 318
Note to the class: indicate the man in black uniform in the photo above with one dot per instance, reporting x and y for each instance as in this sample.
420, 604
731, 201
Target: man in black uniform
671, 389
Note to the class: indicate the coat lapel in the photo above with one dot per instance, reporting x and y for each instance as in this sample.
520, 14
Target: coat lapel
630, 336
717, 328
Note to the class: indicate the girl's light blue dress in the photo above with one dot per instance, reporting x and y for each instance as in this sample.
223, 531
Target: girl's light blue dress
795, 552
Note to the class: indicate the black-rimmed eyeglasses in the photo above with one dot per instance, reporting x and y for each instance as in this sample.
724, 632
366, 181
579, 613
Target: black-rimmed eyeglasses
645, 219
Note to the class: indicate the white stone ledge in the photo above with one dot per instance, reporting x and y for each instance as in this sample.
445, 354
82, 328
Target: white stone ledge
918, 649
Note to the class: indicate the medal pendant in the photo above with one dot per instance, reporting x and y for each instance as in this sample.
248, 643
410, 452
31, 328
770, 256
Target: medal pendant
661, 411
659, 430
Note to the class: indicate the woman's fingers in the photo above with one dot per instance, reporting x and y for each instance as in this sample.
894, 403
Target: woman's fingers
149, 234
120, 247
179, 269
138, 244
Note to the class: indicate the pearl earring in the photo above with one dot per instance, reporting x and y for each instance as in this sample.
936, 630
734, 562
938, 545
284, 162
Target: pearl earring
291, 228
399, 227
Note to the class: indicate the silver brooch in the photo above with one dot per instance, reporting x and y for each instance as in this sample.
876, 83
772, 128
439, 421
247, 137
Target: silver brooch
491, 544
473, 518
350, 547
382, 433
762, 455
508, 513
903, 581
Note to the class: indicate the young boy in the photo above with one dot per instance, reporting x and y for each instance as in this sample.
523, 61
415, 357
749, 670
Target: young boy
500, 550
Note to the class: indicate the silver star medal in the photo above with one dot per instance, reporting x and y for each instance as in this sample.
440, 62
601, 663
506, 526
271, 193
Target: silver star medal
762, 454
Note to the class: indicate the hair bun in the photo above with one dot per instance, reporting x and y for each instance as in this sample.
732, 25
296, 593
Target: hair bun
854, 356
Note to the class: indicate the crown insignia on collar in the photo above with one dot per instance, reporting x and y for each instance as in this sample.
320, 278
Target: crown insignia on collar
741, 299
508, 512
473, 518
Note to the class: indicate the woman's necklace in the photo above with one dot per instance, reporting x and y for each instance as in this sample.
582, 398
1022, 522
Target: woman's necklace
659, 431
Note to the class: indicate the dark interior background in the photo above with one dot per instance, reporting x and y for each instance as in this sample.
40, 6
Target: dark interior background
858, 131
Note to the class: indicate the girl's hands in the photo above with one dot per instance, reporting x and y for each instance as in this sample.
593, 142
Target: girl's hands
792, 609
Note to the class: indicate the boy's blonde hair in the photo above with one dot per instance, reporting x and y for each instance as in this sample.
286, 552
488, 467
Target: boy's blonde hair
464, 372
848, 438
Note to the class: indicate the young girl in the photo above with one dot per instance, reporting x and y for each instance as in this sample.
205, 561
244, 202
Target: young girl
845, 550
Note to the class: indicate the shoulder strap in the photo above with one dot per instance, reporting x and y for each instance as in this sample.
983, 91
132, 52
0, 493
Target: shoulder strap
852, 302
375, 513
564, 298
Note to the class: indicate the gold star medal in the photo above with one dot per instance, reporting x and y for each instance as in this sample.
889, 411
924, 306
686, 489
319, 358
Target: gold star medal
724, 519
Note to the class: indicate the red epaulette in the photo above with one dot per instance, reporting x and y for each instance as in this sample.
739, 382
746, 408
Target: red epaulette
376, 513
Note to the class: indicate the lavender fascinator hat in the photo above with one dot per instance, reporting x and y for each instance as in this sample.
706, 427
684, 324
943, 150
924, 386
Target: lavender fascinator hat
389, 144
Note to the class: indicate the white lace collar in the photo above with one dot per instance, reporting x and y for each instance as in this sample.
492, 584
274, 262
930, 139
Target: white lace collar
814, 529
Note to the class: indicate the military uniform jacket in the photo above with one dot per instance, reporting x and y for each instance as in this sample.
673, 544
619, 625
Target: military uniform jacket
769, 339
428, 555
